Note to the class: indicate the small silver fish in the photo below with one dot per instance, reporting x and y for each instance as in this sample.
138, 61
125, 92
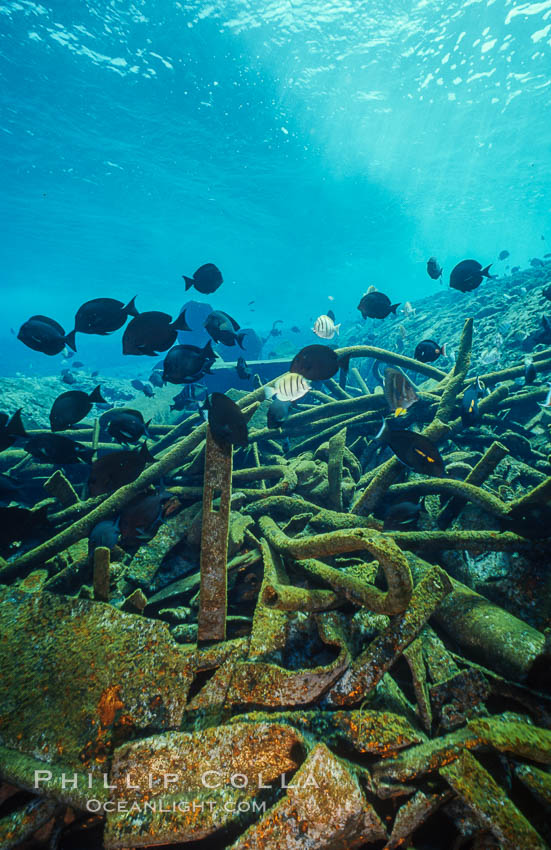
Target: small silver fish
325, 327
289, 387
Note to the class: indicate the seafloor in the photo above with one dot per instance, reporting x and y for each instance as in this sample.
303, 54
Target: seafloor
370, 684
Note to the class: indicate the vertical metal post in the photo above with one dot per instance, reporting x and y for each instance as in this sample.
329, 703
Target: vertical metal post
214, 542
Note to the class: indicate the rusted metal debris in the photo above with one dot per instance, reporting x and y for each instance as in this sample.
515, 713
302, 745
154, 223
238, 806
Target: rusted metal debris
335, 814
102, 573
385, 649
493, 808
199, 781
214, 541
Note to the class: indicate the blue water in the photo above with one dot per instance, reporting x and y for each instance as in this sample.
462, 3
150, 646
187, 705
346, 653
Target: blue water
309, 149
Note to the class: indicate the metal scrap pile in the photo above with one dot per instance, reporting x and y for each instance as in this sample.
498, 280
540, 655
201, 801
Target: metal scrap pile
279, 630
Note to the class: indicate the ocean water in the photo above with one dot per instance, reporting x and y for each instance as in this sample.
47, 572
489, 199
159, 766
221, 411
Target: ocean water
308, 149
160, 612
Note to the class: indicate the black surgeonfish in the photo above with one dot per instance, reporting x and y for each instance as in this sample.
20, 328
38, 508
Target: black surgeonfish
315, 362
10, 429
102, 316
186, 364
124, 424
72, 406
434, 269
428, 351
55, 448
227, 423
105, 533
413, 450
118, 468
206, 279
376, 305
45, 335
141, 517
243, 370
152, 332
468, 274
222, 328
530, 373
401, 514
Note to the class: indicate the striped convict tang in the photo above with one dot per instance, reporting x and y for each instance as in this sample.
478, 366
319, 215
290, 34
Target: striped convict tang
288, 387
325, 327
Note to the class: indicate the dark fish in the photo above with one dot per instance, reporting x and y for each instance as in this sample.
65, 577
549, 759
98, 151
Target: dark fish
376, 305
243, 370
54, 448
413, 450
467, 275
428, 351
45, 335
222, 328
144, 388
532, 521
72, 406
434, 268
515, 269
399, 391
94, 374
226, 421
156, 379
530, 373
185, 364
469, 403
503, 255
11, 491
76, 364
10, 429
141, 517
102, 316
206, 279
401, 514
105, 533
152, 332
547, 255
181, 401
21, 524
535, 262
124, 424
118, 468
295, 330
315, 362
275, 331
278, 413
69, 378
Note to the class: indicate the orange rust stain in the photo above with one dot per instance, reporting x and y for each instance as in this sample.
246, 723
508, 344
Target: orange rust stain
109, 704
